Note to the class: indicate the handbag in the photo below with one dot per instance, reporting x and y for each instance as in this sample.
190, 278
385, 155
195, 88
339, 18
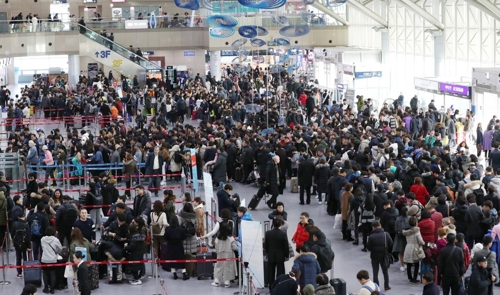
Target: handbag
68, 272
155, 226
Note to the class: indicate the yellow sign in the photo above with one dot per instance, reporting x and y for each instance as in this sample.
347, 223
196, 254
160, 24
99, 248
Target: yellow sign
117, 63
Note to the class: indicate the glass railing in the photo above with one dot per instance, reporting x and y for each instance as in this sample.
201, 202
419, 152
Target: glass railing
43, 25
117, 48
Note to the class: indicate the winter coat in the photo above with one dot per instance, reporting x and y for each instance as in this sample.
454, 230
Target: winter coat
487, 139
20, 225
273, 177
301, 235
225, 270
379, 243
275, 213
322, 242
142, 204
321, 176
223, 201
175, 237
135, 250
150, 163
305, 173
200, 221
190, 242
480, 281
284, 285
345, 202
421, 193
427, 230
86, 244
3, 209
50, 247
414, 243
220, 168
325, 290
174, 167
309, 267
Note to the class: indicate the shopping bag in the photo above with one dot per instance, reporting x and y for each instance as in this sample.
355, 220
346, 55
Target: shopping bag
68, 272
338, 221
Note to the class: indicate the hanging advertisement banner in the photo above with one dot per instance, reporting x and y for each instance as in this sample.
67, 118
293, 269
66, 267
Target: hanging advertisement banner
194, 171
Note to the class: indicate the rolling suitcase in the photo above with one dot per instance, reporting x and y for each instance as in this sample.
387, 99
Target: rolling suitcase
238, 174
33, 275
94, 276
115, 273
339, 286
194, 115
294, 185
205, 269
254, 202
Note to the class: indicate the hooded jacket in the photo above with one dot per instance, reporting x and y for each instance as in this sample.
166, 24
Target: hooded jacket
309, 267
220, 168
50, 247
321, 177
247, 216
190, 243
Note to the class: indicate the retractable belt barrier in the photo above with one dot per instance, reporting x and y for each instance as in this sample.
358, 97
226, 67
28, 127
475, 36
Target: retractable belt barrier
45, 265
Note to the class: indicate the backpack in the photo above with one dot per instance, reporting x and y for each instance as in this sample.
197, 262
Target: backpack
70, 215
377, 288
439, 117
325, 257
96, 199
391, 224
19, 239
479, 192
36, 228
190, 229
466, 253
178, 157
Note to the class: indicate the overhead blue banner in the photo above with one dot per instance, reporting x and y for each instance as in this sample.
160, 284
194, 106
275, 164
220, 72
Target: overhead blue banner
364, 75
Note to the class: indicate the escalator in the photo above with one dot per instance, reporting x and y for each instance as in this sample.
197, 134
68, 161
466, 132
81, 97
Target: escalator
116, 57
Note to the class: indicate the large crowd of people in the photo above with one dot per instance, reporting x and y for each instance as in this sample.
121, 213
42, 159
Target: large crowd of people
402, 179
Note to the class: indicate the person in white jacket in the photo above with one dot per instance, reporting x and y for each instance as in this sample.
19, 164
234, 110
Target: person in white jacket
158, 222
50, 250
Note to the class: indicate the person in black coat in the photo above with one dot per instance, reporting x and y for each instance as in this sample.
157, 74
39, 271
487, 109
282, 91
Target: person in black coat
335, 185
276, 248
379, 244
305, 174
321, 177
82, 274
246, 160
379, 197
175, 236
231, 152
473, 221
224, 199
273, 181
480, 279
286, 284
281, 152
133, 251
451, 265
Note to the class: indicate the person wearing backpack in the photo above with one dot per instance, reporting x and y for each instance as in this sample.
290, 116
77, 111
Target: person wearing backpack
21, 237
38, 222
66, 216
322, 247
187, 220
158, 222
93, 200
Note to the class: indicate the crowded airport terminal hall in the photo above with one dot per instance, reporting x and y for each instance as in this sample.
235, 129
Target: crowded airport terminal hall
250, 147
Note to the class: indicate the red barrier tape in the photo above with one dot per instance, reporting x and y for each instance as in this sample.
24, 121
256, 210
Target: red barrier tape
88, 177
120, 189
121, 262
211, 217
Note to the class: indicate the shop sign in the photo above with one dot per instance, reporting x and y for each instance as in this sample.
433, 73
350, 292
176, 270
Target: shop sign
426, 85
132, 24
348, 70
454, 89
364, 75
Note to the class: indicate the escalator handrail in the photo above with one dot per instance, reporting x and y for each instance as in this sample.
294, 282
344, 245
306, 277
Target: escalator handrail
154, 66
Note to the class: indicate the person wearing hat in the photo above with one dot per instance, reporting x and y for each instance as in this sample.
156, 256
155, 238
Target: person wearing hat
481, 278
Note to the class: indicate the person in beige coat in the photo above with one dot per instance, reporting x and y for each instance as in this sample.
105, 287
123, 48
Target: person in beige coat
345, 200
200, 215
414, 251
174, 167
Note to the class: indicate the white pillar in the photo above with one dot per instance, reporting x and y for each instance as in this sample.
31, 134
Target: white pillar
73, 69
215, 65
439, 48
385, 47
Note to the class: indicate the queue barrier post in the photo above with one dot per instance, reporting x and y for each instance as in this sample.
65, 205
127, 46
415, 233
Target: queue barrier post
156, 278
4, 282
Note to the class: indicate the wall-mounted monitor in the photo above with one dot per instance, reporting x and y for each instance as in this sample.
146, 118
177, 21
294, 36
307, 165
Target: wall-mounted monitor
89, 1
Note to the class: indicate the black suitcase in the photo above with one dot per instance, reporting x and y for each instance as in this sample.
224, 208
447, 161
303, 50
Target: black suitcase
339, 286
238, 175
254, 202
205, 269
33, 275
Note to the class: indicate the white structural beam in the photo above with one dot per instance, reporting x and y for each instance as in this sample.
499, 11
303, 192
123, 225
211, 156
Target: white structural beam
368, 12
326, 10
423, 13
490, 7
482, 8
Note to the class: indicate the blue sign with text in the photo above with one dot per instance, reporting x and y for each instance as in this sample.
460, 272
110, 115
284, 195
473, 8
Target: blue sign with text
364, 75
103, 54
189, 53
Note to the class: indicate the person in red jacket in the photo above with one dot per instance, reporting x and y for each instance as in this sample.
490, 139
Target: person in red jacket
420, 191
303, 99
427, 227
301, 235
